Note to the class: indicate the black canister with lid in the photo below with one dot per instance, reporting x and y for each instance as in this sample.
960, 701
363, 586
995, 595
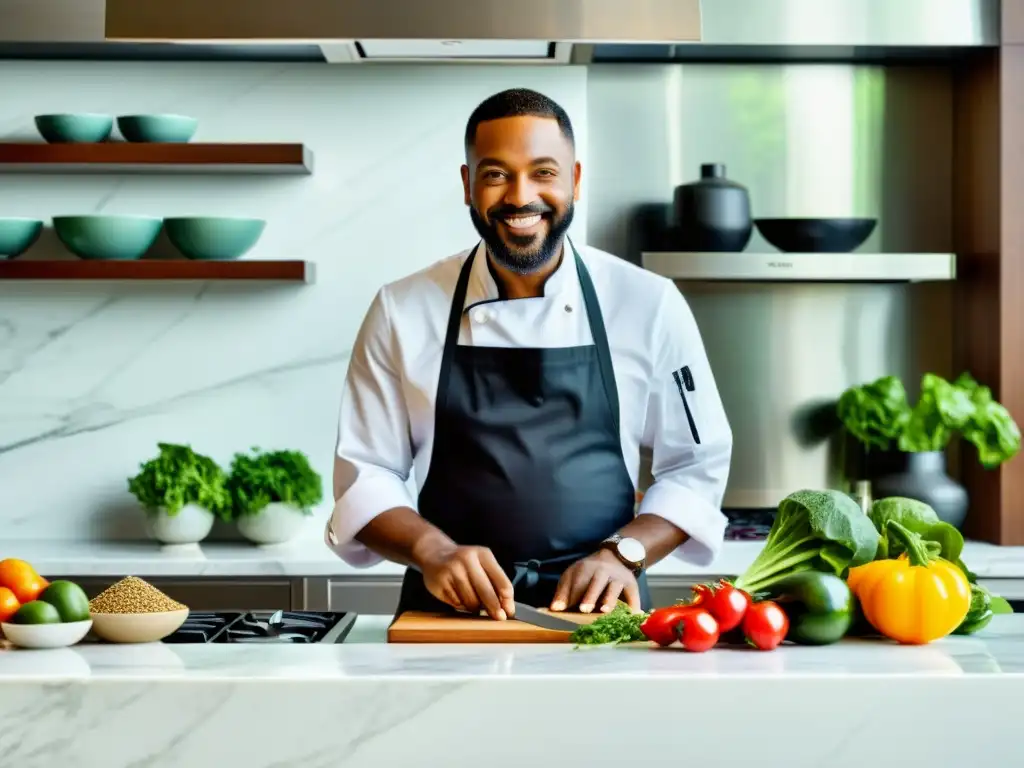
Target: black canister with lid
712, 214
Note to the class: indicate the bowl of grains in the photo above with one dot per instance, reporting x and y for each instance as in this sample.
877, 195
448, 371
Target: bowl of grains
134, 611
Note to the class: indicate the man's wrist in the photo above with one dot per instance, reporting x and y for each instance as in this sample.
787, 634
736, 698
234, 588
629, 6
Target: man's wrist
430, 547
606, 554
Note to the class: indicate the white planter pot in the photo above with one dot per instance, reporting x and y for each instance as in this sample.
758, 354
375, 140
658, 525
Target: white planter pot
276, 523
191, 525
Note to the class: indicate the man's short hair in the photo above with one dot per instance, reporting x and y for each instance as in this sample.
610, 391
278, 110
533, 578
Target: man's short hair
518, 102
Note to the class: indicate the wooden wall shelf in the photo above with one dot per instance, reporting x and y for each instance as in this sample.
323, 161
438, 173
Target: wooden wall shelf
160, 269
124, 157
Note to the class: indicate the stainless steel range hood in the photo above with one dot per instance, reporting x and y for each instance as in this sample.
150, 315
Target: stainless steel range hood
525, 31
528, 31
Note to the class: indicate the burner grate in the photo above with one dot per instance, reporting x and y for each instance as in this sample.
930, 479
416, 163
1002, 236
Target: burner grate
255, 627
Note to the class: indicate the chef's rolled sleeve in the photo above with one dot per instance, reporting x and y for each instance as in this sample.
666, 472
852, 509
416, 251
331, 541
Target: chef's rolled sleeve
374, 453
688, 433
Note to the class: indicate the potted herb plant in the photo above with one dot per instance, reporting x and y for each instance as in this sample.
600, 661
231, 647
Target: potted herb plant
273, 493
913, 439
182, 493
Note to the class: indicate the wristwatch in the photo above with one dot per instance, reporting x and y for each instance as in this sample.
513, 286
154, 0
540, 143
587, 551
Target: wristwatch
631, 552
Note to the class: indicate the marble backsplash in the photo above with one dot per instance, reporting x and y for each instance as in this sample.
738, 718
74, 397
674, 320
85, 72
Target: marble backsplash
92, 376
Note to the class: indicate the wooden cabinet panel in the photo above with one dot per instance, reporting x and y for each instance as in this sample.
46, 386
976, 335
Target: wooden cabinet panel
989, 240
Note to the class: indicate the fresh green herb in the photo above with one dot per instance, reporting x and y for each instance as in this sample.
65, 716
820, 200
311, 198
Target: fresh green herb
875, 413
813, 530
620, 625
263, 478
178, 476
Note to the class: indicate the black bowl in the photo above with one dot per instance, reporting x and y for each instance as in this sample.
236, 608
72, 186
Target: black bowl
816, 235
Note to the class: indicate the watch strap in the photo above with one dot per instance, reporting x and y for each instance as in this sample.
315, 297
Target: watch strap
612, 543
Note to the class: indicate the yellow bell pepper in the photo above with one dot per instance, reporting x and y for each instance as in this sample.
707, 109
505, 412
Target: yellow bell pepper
914, 599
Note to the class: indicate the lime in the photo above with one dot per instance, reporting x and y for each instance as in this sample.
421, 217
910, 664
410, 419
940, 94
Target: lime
36, 612
69, 599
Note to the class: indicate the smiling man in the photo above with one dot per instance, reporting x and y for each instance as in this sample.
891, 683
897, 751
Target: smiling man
520, 378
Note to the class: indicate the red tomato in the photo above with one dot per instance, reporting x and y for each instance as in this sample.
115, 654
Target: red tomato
663, 625
699, 631
727, 604
765, 625
701, 594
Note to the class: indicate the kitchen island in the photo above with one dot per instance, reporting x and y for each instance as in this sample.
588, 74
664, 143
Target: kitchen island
367, 703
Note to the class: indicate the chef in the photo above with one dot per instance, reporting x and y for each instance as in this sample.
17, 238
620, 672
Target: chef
520, 379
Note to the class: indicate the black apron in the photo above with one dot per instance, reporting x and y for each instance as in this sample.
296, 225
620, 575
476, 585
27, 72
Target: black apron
527, 458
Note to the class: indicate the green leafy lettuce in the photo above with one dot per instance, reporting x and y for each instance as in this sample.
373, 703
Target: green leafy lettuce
177, 476
917, 517
813, 530
875, 413
941, 410
989, 428
262, 478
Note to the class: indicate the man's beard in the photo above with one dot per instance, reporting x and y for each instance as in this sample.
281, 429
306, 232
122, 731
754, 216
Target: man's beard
528, 253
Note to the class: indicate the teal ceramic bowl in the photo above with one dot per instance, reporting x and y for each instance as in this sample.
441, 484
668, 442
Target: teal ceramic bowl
75, 129
214, 238
161, 129
18, 235
117, 238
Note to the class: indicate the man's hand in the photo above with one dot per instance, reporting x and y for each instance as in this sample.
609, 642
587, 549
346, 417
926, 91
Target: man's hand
468, 578
597, 580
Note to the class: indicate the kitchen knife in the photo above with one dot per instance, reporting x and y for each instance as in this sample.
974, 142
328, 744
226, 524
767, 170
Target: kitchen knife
530, 615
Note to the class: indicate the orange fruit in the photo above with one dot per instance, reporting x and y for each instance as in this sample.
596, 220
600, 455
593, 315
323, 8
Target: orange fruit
21, 578
9, 604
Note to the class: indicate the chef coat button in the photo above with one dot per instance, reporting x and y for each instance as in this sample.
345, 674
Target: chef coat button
568, 308
480, 315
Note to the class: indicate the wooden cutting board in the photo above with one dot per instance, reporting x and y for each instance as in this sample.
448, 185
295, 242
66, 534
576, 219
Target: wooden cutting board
416, 627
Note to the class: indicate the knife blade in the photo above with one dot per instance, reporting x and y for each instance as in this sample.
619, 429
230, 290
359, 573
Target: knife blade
530, 615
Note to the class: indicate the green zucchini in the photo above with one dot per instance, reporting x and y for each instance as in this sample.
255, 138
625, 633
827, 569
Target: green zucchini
820, 607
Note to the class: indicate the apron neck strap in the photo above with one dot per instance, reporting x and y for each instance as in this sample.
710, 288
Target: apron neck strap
594, 317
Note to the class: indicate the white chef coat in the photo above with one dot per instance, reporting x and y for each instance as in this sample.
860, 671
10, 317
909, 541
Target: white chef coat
386, 425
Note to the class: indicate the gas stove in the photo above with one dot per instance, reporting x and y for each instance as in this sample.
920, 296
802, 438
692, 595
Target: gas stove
748, 524
263, 627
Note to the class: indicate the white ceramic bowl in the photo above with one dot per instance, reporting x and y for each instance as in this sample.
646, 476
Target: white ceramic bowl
191, 525
137, 627
46, 635
276, 523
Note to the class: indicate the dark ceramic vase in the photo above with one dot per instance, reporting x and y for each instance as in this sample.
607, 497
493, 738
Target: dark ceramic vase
712, 214
923, 477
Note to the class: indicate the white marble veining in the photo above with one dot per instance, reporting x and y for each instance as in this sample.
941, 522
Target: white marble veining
93, 375
312, 558
364, 703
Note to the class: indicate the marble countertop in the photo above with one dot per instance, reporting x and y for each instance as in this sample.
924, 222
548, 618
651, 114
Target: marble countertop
313, 559
367, 704
999, 650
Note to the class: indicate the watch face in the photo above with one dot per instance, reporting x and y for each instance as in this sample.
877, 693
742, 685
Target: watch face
632, 550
